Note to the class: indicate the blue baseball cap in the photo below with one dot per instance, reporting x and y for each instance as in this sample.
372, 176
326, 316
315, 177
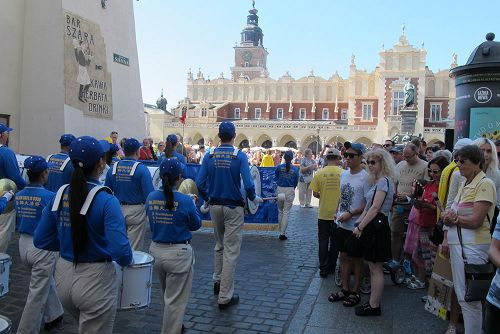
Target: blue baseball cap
132, 145
227, 127
172, 139
358, 147
36, 164
288, 155
85, 151
170, 166
66, 139
105, 145
4, 128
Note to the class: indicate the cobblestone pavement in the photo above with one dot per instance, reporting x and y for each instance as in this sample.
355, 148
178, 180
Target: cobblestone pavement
279, 287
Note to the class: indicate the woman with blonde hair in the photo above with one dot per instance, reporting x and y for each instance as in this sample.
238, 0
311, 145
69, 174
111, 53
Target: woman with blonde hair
307, 167
372, 227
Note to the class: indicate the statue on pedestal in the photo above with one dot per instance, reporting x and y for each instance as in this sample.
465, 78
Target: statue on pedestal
409, 90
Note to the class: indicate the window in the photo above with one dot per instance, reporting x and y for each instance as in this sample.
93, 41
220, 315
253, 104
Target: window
326, 113
367, 112
247, 64
237, 113
435, 112
279, 113
257, 113
203, 112
398, 98
302, 114
343, 114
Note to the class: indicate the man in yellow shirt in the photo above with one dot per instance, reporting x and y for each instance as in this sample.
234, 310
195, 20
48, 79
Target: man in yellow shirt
326, 186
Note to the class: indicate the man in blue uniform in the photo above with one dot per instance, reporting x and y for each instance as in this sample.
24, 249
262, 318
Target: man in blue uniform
9, 169
131, 183
61, 169
218, 182
42, 298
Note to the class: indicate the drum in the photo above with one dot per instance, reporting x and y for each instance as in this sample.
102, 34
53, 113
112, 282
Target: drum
134, 283
5, 325
5, 263
155, 175
5, 186
250, 206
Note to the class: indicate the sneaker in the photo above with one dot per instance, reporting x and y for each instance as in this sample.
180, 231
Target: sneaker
308, 206
235, 299
410, 279
451, 329
393, 264
302, 206
367, 310
424, 299
416, 285
283, 237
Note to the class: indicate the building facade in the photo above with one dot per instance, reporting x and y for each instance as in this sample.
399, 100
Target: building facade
68, 67
312, 111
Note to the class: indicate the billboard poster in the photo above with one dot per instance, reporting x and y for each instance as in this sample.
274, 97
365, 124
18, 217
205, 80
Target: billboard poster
87, 81
485, 122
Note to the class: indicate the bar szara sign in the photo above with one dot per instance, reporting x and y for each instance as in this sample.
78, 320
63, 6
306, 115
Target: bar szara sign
86, 79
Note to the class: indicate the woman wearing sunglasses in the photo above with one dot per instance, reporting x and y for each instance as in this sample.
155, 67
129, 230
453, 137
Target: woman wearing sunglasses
421, 223
470, 215
376, 242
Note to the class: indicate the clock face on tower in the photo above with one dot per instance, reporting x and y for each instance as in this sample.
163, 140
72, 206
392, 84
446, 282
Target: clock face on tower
246, 55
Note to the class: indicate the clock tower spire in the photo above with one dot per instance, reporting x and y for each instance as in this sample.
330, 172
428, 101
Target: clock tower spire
250, 57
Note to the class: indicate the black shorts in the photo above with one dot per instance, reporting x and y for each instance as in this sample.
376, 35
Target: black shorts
379, 250
340, 238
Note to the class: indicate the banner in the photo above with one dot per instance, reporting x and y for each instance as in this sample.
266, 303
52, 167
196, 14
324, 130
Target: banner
87, 81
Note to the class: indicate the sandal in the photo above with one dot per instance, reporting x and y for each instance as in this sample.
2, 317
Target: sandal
416, 285
338, 296
352, 300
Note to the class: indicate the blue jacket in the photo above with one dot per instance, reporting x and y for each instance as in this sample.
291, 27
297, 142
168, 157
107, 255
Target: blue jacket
130, 189
172, 226
220, 177
182, 160
106, 227
57, 178
3, 204
284, 179
29, 204
9, 168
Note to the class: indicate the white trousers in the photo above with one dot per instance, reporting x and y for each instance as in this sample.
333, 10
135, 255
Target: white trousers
175, 267
228, 226
89, 293
472, 311
304, 193
135, 221
42, 301
284, 207
7, 226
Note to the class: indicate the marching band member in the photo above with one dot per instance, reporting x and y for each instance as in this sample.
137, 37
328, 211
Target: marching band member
61, 169
172, 216
42, 298
287, 179
88, 238
131, 183
8, 169
218, 182
174, 141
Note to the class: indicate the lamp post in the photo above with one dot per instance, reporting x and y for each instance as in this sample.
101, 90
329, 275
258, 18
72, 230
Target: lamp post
317, 141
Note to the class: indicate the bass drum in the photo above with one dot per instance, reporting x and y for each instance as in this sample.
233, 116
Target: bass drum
157, 179
250, 206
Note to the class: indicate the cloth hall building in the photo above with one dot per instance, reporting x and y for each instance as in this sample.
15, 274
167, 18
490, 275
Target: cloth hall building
299, 112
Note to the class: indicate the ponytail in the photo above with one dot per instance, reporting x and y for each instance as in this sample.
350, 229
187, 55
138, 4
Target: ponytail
288, 161
169, 149
168, 183
77, 194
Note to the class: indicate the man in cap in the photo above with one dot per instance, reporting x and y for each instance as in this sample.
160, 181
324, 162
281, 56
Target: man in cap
326, 186
9, 169
42, 302
397, 153
131, 183
60, 166
219, 182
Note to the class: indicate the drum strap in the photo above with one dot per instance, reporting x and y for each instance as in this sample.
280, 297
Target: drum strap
88, 200
132, 171
65, 163
49, 156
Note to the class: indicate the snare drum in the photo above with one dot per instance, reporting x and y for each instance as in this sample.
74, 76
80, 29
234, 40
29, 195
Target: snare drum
5, 263
5, 325
134, 283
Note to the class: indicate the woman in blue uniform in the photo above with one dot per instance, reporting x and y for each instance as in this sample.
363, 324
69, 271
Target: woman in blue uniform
287, 178
89, 238
172, 217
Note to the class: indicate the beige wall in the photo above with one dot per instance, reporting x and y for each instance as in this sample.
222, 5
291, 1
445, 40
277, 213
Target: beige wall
32, 67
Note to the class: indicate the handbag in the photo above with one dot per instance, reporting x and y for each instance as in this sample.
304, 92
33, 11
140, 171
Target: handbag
437, 235
477, 276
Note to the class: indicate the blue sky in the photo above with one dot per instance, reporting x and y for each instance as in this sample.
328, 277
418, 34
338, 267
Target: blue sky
175, 35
